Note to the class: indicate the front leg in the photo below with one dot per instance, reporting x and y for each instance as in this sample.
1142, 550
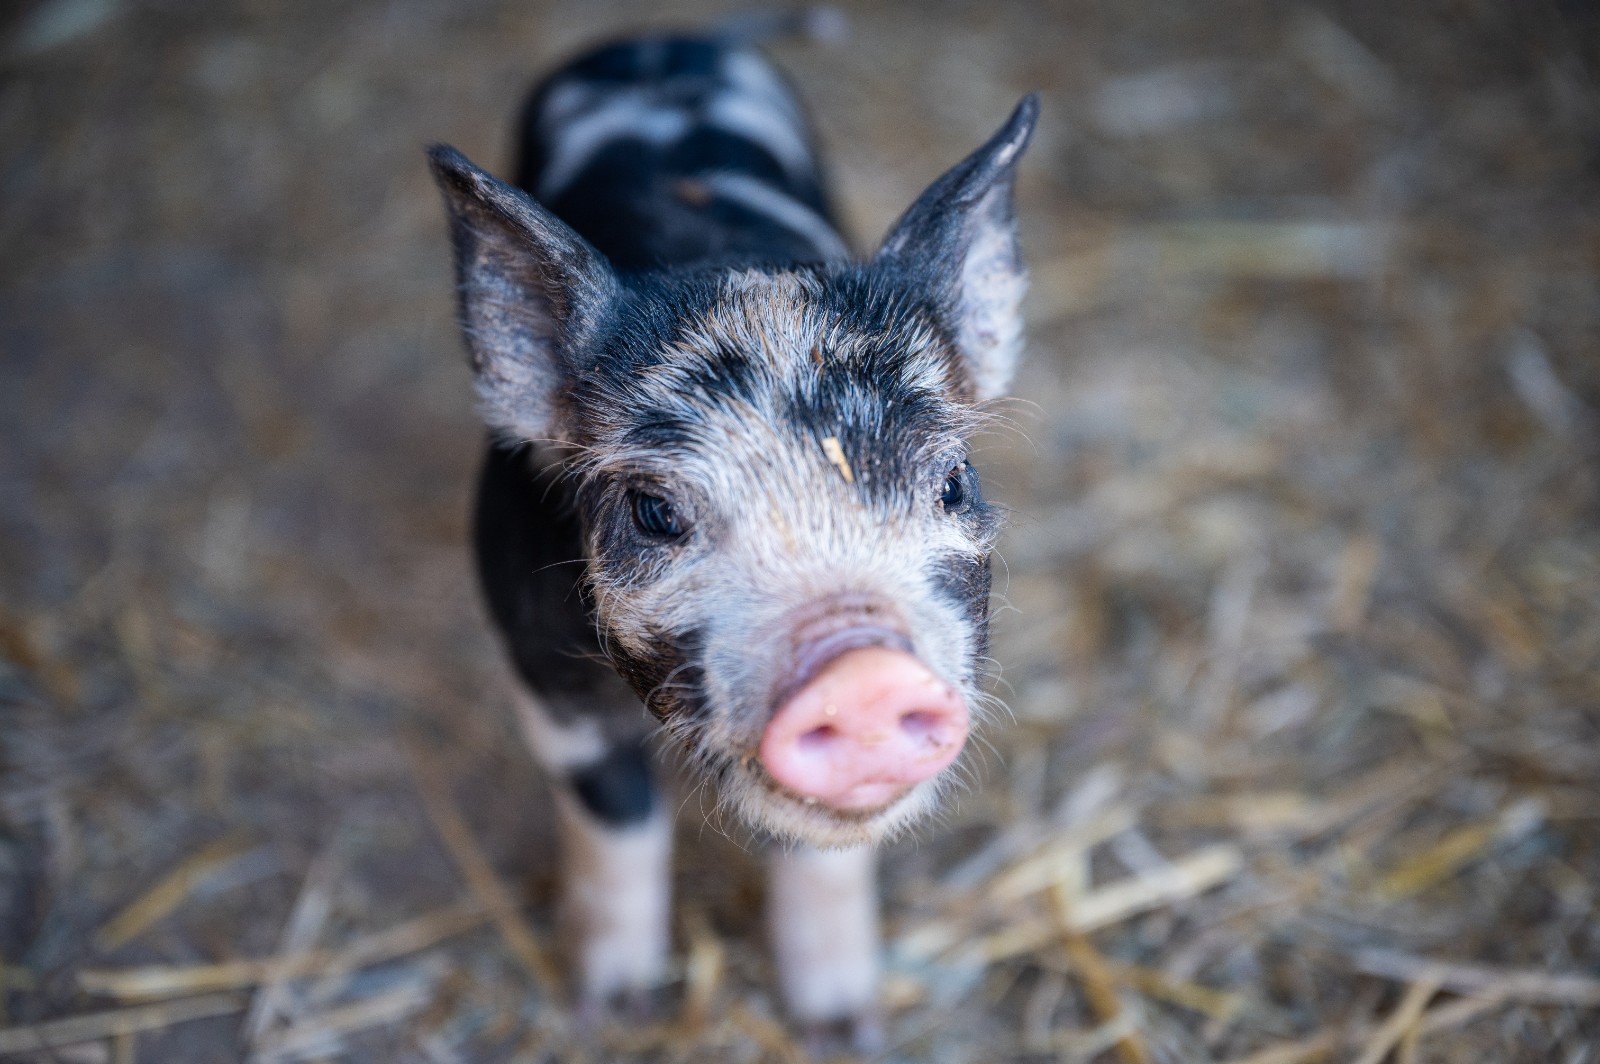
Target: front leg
616, 850
822, 913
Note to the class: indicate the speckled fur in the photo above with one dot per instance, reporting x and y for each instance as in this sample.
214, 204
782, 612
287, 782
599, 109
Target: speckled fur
730, 421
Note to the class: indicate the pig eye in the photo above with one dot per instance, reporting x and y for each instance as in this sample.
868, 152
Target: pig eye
955, 489
655, 516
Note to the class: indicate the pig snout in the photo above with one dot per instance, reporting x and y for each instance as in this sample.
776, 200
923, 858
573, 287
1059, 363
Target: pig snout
865, 721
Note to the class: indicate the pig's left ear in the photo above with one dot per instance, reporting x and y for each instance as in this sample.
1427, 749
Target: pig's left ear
961, 236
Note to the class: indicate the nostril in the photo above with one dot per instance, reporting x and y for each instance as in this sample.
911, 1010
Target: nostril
818, 738
921, 724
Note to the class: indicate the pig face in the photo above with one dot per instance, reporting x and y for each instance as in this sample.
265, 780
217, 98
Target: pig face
787, 548
782, 478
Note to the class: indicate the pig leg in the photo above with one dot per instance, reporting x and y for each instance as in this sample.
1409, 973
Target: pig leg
616, 847
584, 726
822, 913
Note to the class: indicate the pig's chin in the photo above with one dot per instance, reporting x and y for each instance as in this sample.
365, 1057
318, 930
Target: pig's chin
767, 807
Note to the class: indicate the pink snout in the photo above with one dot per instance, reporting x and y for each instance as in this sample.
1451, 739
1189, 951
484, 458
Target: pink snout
866, 728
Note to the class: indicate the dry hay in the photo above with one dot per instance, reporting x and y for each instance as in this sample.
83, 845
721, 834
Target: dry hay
1304, 654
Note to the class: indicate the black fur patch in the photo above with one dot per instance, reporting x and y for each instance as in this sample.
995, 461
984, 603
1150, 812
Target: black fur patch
670, 679
618, 788
965, 581
530, 563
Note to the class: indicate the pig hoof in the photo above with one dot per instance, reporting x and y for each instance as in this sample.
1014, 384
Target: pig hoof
639, 1005
587, 1015
860, 1035
867, 1035
631, 1005
619, 969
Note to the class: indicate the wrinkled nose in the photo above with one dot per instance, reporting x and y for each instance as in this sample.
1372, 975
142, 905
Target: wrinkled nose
869, 725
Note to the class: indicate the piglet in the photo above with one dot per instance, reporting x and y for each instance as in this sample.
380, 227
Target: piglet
728, 478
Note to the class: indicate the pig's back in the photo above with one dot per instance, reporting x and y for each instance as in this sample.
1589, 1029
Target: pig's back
678, 150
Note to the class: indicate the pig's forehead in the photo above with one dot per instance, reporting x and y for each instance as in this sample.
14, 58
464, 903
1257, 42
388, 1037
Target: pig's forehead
800, 350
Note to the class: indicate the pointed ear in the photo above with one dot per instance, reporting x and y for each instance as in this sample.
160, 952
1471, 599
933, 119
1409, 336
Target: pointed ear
961, 237
531, 295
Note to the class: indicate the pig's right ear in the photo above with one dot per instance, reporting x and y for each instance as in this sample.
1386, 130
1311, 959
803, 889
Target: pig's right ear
531, 293
960, 238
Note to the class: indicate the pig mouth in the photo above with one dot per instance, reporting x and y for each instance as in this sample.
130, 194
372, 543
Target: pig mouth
854, 817
767, 806
860, 816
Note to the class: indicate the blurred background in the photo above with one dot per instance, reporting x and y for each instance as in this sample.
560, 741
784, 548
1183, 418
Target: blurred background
1304, 660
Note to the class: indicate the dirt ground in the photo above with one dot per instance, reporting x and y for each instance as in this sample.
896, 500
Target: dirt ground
1304, 660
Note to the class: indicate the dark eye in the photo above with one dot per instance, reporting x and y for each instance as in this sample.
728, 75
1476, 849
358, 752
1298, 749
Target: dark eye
955, 489
655, 516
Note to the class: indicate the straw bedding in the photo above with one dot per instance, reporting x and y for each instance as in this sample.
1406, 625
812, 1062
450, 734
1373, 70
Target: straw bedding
1303, 640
